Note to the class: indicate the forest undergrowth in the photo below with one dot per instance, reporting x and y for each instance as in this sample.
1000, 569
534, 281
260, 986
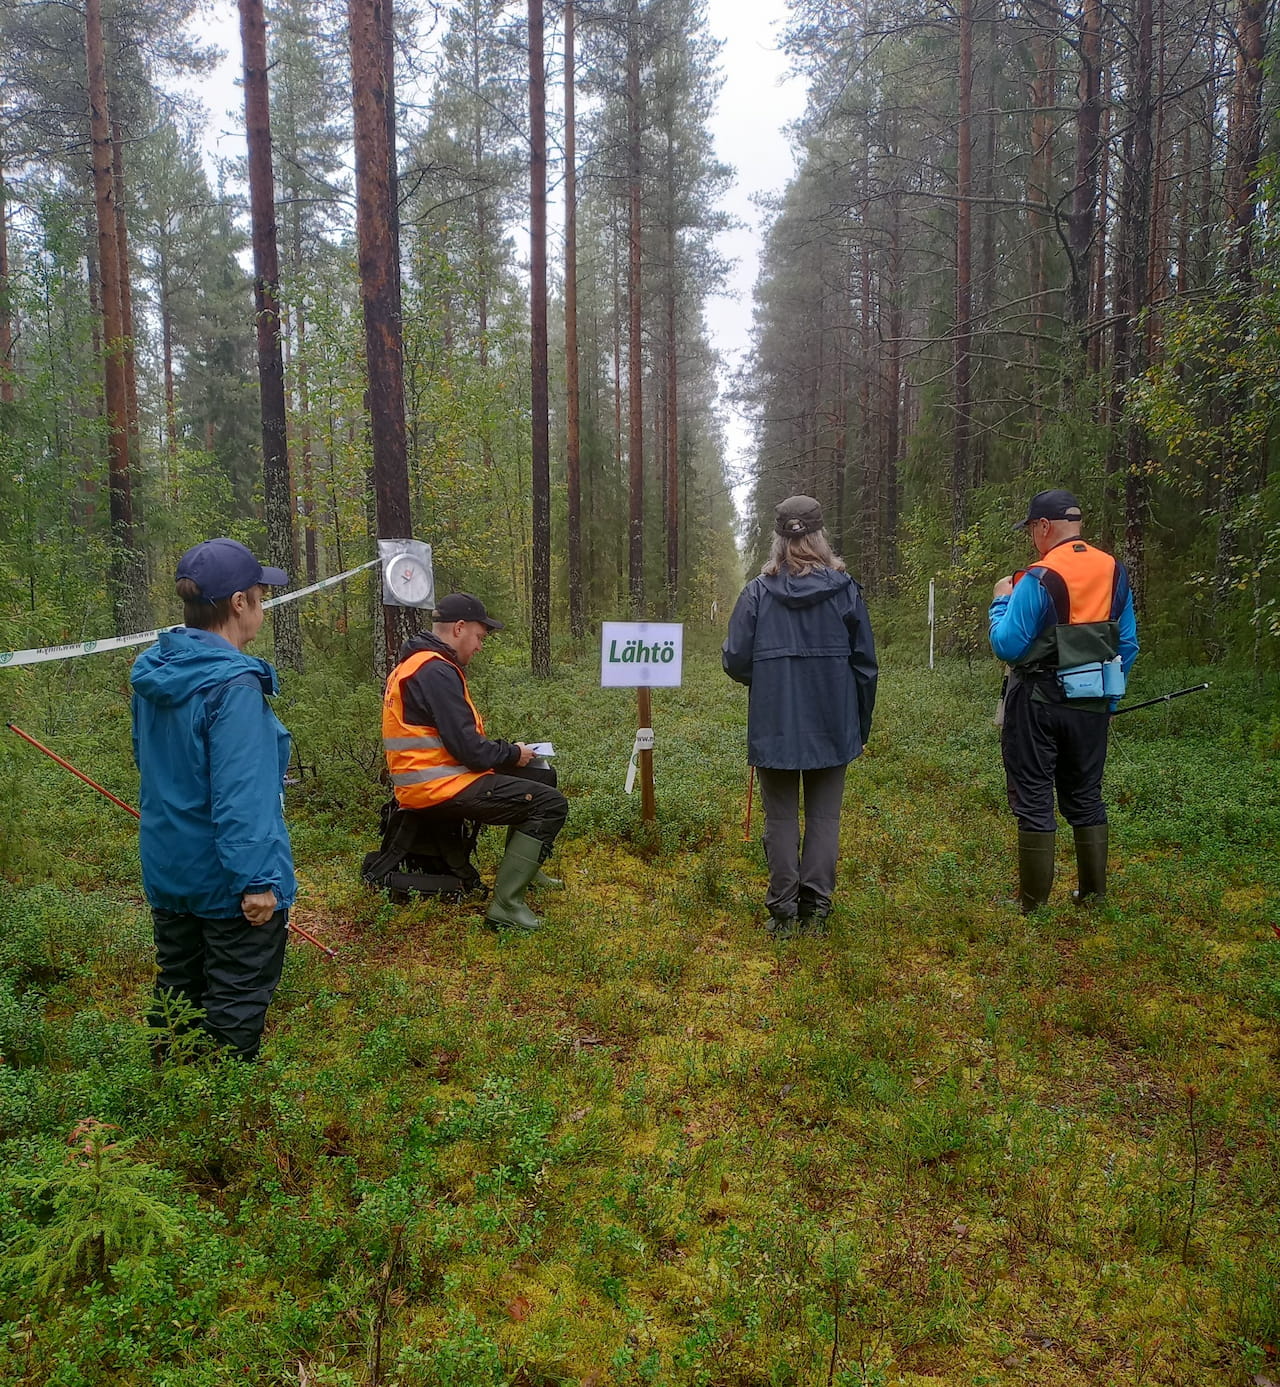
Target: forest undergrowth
945, 1145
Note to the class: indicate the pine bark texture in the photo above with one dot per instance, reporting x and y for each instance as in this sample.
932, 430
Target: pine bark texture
635, 377
127, 575
540, 460
278, 492
960, 459
6, 308
572, 369
376, 215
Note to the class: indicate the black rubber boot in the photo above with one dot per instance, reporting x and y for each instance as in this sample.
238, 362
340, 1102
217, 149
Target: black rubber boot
1035, 869
1091, 864
519, 866
541, 881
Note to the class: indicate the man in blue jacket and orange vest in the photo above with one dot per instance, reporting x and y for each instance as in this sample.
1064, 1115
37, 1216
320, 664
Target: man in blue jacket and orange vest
439, 758
1067, 630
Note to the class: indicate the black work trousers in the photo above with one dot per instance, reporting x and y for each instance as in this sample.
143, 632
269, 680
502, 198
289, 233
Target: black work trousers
1048, 746
229, 969
525, 798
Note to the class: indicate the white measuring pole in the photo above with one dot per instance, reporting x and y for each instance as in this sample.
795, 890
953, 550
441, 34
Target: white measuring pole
930, 623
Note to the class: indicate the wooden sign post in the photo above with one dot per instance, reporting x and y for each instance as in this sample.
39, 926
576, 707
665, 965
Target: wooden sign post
644, 718
642, 655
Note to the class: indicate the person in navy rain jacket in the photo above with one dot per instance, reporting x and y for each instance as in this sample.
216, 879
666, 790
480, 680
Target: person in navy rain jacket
216, 862
800, 640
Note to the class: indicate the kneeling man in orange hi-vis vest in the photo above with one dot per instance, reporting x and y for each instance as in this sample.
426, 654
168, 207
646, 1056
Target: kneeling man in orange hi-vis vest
439, 758
1067, 630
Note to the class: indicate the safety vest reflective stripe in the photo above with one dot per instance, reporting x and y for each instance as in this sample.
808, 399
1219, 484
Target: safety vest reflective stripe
421, 777
423, 770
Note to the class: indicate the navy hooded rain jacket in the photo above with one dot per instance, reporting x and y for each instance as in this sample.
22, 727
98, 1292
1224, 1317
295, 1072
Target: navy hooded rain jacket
803, 646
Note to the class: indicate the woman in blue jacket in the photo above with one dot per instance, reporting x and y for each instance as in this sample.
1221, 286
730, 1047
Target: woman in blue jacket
800, 640
216, 863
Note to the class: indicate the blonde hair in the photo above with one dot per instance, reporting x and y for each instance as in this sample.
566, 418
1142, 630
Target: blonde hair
802, 554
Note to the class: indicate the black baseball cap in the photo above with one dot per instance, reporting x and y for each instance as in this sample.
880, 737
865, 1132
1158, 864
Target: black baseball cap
219, 567
1051, 505
462, 606
796, 516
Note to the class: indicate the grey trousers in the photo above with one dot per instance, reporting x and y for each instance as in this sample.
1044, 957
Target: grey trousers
801, 878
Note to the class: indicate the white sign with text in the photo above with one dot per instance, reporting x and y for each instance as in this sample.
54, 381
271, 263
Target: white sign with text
641, 654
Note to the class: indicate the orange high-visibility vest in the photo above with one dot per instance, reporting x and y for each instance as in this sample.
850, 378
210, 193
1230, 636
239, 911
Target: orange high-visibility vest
1081, 580
422, 769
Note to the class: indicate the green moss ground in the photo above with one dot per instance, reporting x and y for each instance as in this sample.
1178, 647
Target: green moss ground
947, 1145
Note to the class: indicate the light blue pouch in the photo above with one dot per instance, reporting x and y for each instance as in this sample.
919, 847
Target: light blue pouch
1083, 681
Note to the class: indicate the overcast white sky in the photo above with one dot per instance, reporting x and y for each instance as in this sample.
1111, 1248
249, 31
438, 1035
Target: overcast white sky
758, 99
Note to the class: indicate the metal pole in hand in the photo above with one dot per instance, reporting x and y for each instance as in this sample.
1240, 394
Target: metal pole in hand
1164, 698
129, 809
751, 786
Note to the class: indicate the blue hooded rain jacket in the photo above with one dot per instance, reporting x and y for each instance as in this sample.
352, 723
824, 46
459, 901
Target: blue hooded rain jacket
804, 648
212, 757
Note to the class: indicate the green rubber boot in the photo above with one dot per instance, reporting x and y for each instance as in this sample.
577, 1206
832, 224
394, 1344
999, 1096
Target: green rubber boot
1091, 864
541, 881
519, 865
1035, 869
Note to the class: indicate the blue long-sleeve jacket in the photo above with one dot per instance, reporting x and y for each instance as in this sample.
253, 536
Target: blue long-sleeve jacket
1017, 621
212, 757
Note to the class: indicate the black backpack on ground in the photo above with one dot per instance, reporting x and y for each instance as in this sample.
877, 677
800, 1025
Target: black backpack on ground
422, 854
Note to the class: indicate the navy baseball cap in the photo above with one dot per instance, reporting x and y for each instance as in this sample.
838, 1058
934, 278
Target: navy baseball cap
462, 606
219, 567
1051, 505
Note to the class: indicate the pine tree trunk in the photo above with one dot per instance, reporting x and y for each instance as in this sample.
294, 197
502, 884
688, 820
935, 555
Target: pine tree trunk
311, 555
372, 89
126, 310
672, 446
573, 425
893, 405
635, 395
963, 365
540, 626
6, 308
1093, 331
1245, 138
1128, 451
870, 482
1089, 146
126, 578
266, 302
1043, 100
170, 392
298, 368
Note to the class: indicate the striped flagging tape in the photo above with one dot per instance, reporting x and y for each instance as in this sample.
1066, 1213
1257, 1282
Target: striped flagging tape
43, 653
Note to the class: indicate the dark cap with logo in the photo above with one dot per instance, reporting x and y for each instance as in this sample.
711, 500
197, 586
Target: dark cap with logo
219, 567
796, 516
1051, 505
462, 606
